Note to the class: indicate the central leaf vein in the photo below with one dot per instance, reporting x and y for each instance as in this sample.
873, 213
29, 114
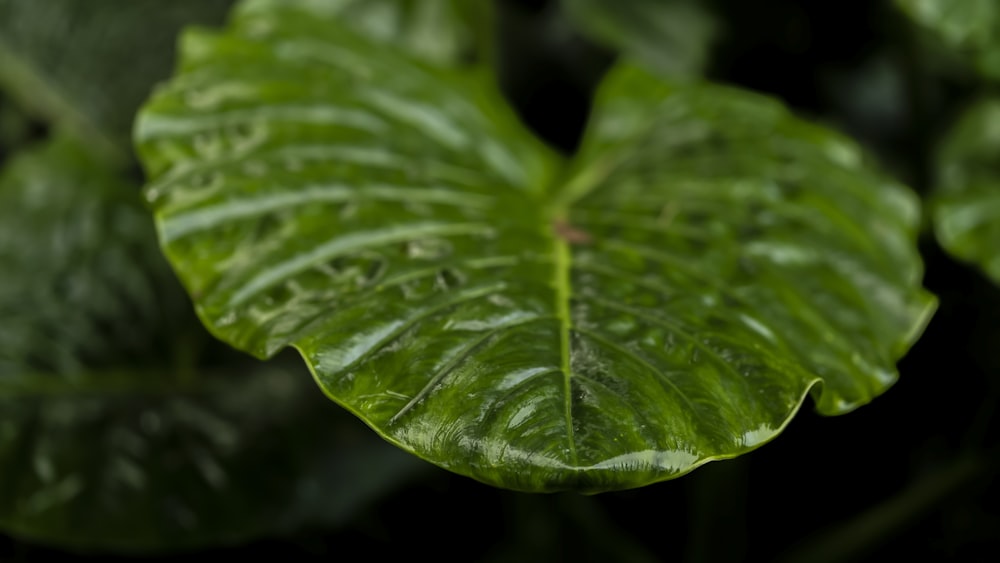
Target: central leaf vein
563, 268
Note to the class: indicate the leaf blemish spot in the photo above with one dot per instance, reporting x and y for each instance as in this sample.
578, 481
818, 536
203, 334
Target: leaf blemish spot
571, 234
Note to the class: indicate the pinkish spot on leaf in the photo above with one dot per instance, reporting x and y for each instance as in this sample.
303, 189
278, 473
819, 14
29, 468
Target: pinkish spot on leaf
571, 234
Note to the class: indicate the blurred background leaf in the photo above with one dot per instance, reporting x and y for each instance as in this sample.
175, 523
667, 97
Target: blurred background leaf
89, 65
123, 425
967, 203
441, 31
16, 127
673, 37
972, 27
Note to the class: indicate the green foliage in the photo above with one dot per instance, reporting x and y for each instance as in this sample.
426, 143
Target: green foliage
667, 298
119, 426
442, 31
345, 178
967, 206
87, 66
970, 27
672, 36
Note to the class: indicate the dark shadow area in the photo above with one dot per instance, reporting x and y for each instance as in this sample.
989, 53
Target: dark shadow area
548, 72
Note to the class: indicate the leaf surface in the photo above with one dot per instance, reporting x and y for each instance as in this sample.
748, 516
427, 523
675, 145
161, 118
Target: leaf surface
972, 27
967, 201
666, 299
121, 426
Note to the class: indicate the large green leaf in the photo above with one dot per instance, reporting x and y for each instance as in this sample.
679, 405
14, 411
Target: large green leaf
668, 299
970, 26
967, 202
672, 36
89, 65
109, 436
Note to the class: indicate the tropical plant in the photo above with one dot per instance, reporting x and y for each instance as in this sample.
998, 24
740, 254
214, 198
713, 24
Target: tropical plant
590, 291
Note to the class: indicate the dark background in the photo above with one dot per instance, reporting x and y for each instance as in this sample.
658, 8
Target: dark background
908, 476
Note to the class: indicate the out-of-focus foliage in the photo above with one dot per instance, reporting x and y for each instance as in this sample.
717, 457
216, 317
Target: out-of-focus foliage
88, 65
971, 27
441, 31
674, 37
120, 425
967, 206
15, 127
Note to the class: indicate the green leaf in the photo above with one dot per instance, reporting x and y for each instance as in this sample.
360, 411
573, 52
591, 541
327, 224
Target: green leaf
967, 201
668, 299
970, 26
87, 66
673, 37
112, 437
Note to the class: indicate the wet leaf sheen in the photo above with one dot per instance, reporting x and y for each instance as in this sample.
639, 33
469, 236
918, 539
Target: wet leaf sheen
666, 299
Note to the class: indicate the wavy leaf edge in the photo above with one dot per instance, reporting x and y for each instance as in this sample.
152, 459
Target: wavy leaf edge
576, 477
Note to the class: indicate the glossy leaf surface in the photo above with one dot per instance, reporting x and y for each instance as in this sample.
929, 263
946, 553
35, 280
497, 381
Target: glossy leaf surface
967, 204
122, 427
673, 37
970, 26
667, 299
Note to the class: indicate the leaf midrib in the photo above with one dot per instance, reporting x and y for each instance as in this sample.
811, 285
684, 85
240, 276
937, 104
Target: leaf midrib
579, 184
564, 293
